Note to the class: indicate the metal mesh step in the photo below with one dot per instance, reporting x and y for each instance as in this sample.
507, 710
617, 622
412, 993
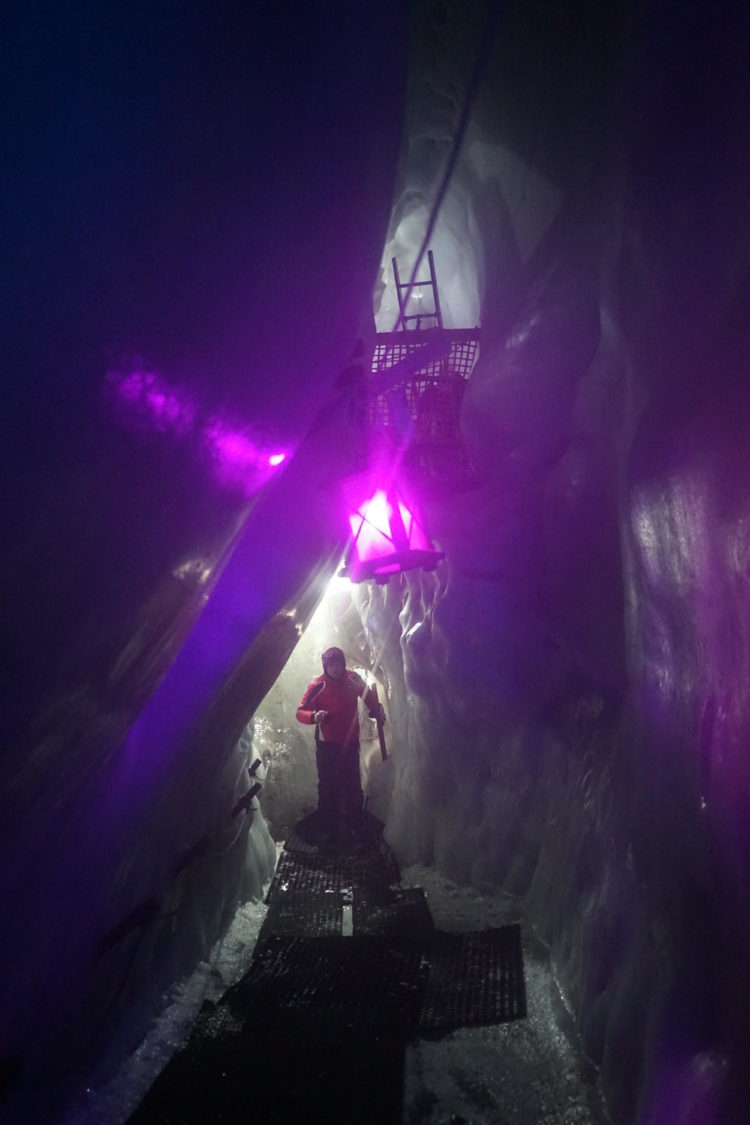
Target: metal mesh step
399, 913
316, 873
369, 976
474, 979
304, 914
441, 983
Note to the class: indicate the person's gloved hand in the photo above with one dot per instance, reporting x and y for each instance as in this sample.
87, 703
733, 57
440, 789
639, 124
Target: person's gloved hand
319, 716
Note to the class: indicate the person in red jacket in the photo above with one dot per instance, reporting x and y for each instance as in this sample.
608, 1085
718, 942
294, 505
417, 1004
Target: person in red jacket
330, 704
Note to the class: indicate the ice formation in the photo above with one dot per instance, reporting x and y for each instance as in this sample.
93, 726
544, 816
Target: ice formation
207, 200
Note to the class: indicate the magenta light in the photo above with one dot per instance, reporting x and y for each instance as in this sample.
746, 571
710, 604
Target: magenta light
371, 528
239, 459
416, 535
233, 450
149, 401
387, 538
145, 401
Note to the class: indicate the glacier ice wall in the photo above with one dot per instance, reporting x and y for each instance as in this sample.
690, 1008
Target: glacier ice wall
189, 254
571, 711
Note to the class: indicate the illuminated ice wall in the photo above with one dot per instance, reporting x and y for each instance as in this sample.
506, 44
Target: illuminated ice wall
572, 679
192, 227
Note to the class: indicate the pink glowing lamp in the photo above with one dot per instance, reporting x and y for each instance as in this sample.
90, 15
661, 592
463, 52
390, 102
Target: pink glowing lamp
387, 539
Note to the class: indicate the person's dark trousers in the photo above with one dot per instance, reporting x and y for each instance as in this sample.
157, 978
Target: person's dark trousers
340, 797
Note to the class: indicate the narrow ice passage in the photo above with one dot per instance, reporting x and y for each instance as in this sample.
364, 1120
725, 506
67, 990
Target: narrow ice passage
202, 204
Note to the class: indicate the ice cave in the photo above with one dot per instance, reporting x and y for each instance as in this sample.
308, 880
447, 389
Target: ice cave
202, 208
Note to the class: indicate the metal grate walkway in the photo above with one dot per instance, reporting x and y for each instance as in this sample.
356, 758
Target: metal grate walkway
348, 966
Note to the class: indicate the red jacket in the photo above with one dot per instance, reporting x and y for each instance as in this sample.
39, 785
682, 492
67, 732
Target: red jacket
339, 699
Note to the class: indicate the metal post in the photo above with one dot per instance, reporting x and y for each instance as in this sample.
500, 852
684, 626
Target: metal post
433, 279
397, 279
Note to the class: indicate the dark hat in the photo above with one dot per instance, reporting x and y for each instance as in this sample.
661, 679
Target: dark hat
333, 654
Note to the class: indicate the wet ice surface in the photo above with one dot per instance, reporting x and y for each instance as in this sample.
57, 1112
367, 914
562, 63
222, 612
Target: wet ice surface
529, 1072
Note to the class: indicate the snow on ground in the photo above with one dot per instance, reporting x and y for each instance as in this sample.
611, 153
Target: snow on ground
529, 1072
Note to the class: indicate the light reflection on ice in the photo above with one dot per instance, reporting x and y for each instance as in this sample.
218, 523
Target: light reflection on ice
671, 530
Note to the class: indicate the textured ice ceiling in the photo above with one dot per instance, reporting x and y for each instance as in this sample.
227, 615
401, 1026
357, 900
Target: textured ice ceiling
197, 205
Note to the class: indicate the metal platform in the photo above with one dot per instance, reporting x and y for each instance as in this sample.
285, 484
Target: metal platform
431, 397
305, 914
474, 979
372, 978
319, 873
322, 1019
396, 912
